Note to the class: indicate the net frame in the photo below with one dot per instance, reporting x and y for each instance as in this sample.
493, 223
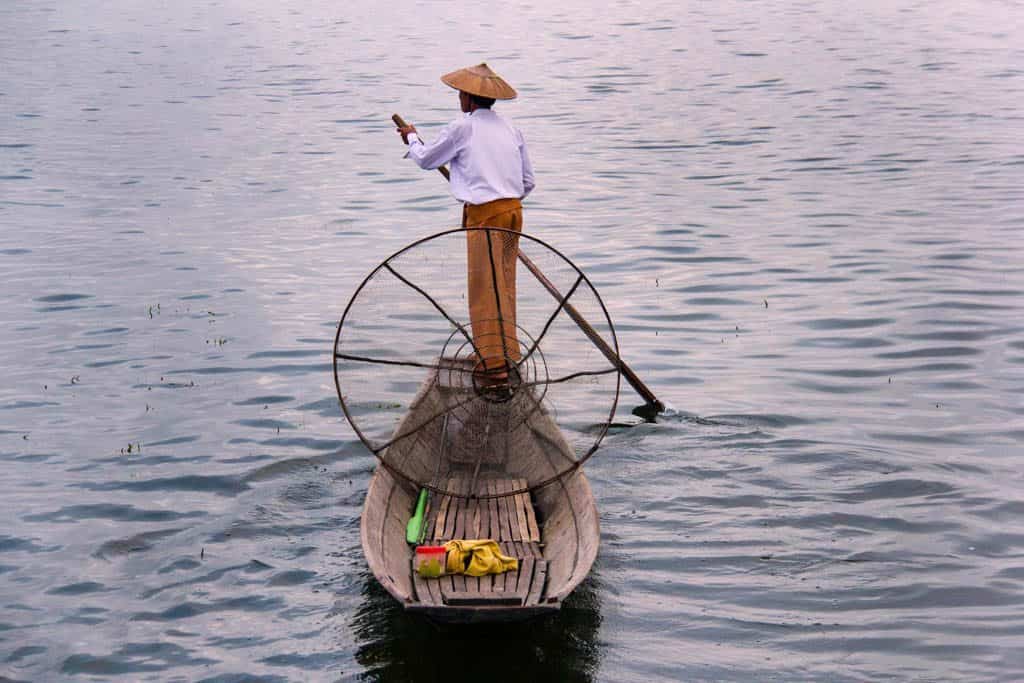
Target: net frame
563, 304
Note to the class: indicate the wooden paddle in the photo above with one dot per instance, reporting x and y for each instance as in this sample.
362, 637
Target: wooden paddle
654, 406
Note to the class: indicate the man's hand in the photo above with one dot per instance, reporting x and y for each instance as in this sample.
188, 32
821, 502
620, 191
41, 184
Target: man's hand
404, 132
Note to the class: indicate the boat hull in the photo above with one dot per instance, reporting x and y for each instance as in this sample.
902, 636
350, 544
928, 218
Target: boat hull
553, 530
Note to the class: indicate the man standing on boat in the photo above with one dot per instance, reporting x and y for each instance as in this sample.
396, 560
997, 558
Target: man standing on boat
490, 175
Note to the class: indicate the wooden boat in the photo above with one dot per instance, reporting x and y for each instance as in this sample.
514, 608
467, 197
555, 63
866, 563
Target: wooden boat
492, 453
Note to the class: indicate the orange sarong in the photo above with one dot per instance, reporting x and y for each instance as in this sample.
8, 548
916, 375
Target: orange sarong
491, 257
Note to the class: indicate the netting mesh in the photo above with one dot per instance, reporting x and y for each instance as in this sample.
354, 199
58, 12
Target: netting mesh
430, 388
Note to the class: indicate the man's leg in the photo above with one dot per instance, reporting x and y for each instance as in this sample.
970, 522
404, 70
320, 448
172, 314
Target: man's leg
492, 257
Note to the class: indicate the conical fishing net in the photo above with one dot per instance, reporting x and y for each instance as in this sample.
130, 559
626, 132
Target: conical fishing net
456, 360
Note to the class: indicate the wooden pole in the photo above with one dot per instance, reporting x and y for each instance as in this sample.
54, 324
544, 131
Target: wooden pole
645, 393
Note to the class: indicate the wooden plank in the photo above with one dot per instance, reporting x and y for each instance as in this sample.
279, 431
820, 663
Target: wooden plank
471, 598
422, 593
457, 512
422, 586
485, 511
525, 574
472, 531
486, 582
495, 531
462, 582
511, 522
452, 528
512, 582
524, 549
464, 510
497, 584
475, 516
442, 514
512, 578
537, 586
430, 517
513, 517
521, 503
451, 510
493, 521
504, 530
531, 517
447, 582
434, 586
513, 512
506, 581
443, 505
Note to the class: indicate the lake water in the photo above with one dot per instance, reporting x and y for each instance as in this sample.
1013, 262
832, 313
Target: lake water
806, 220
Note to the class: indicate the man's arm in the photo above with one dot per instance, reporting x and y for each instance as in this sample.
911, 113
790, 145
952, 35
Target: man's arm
439, 152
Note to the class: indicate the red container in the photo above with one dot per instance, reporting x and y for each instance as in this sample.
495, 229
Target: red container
430, 560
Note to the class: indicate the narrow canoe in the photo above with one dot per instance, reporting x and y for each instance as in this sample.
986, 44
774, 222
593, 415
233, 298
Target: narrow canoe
485, 458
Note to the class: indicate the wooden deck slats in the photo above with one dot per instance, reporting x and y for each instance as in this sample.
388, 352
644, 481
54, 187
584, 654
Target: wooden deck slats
514, 516
420, 584
504, 518
537, 585
434, 588
524, 576
495, 517
443, 521
504, 530
471, 531
520, 503
508, 519
428, 591
459, 518
508, 579
486, 582
533, 530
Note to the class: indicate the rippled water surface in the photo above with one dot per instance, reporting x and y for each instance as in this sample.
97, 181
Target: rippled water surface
806, 219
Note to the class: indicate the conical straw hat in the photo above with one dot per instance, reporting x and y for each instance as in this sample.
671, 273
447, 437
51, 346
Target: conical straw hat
480, 80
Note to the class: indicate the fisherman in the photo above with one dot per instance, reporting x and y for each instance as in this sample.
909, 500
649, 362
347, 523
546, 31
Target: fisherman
490, 175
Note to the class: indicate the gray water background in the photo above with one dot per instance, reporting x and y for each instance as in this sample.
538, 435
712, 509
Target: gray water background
805, 218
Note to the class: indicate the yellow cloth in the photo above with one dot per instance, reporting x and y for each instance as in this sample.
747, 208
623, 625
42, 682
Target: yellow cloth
492, 266
484, 558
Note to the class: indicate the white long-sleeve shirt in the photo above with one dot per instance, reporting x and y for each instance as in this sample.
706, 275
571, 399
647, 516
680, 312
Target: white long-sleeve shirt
486, 155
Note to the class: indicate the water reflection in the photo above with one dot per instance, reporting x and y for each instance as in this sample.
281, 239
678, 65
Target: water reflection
393, 645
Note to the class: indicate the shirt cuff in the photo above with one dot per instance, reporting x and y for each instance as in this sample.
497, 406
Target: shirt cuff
412, 137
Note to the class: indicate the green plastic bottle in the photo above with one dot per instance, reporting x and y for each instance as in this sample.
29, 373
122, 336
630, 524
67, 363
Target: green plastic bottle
413, 529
